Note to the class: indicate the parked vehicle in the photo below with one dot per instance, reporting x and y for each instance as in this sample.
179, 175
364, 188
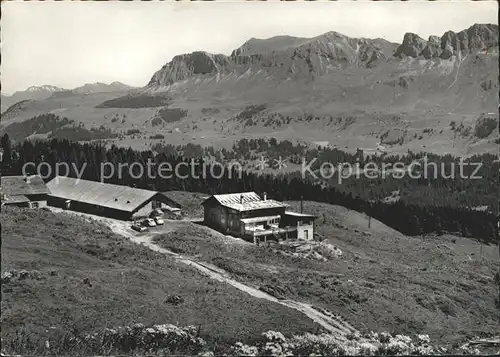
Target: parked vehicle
149, 222
159, 221
138, 228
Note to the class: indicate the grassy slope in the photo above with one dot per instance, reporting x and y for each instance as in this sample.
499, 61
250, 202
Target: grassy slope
383, 281
129, 285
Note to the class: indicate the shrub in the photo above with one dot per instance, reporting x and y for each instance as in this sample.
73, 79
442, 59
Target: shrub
41, 124
169, 339
172, 115
485, 126
133, 132
83, 134
135, 101
250, 111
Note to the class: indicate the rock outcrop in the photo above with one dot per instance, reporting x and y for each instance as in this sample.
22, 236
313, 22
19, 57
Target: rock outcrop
281, 57
478, 37
185, 66
412, 45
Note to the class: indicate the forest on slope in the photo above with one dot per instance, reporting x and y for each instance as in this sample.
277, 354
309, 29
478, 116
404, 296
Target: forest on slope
410, 218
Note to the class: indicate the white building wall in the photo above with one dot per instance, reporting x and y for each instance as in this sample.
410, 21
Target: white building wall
305, 232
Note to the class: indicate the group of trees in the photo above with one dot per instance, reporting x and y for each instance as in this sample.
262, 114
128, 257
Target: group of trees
40, 124
434, 188
56, 127
409, 218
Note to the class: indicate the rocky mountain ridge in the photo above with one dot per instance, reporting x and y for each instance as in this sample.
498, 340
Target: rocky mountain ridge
285, 57
292, 57
475, 38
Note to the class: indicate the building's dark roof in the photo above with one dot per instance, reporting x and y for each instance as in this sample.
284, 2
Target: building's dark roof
246, 201
117, 197
23, 185
173, 202
297, 214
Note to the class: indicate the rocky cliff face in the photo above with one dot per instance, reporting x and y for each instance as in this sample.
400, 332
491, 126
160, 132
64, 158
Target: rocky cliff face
188, 65
478, 37
285, 57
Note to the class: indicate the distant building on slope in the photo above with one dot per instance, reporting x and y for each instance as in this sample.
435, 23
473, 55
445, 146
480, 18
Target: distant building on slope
104, 199
23, 191
257, 219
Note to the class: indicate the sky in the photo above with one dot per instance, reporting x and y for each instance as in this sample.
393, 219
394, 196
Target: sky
68, 44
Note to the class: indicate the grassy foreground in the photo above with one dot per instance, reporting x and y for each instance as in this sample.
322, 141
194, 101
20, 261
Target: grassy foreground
64, 274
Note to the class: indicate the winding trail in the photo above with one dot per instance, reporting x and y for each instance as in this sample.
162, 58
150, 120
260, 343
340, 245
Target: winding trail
329, 321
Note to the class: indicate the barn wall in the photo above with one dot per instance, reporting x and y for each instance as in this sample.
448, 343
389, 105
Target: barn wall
37, 200
90, 209
144, 211
233, 221
17, 204
56, 202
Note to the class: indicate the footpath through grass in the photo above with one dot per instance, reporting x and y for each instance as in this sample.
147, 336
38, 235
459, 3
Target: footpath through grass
64, 273
383, 281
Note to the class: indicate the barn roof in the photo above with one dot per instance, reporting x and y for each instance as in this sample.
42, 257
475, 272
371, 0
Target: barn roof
23, 185
117, 197
246, 201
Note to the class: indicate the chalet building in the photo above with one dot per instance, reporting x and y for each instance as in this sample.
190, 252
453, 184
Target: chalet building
23, 191
251, 217
103, 199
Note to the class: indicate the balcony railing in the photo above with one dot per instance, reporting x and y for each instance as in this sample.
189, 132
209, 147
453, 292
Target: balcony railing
269, 231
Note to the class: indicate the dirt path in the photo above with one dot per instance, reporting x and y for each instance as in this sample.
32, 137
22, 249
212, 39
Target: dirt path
333, 324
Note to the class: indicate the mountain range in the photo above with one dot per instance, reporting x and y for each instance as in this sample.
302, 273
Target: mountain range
46, 91
422, 95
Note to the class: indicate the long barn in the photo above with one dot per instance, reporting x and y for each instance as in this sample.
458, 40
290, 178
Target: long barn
103, 199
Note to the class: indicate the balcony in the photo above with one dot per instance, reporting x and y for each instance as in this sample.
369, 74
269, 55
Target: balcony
271, 231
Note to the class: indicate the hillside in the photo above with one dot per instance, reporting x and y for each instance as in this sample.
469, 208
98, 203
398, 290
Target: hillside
47, 92
73, 275
350, 92
376, 279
